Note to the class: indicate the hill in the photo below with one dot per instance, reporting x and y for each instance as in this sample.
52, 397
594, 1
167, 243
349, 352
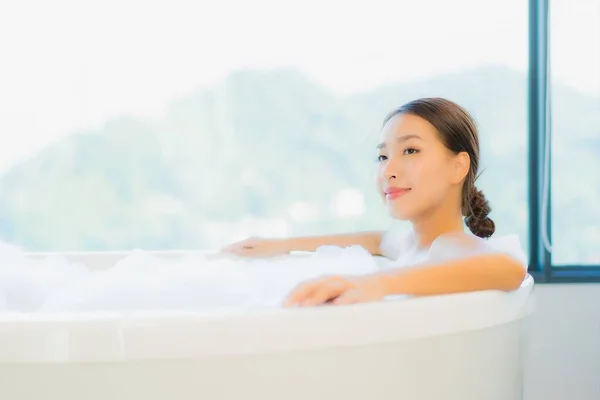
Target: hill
262, 144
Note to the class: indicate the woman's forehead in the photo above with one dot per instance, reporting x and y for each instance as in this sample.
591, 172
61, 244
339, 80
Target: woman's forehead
407, 126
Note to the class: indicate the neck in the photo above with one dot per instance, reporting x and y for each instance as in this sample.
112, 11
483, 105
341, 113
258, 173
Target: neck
434, 224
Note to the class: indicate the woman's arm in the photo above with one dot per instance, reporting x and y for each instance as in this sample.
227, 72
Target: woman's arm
493, 271
480, 272
259, 247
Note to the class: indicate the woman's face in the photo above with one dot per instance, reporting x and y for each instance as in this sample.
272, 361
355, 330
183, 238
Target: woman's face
416, 171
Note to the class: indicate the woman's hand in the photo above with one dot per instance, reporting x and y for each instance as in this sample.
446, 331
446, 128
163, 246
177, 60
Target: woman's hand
259, 247
337, 290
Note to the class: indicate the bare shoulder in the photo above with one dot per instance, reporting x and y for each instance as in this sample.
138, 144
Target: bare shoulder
460, 239
466, 245
457, 245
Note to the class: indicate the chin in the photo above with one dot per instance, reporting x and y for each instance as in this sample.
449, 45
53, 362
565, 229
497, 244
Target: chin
400, 214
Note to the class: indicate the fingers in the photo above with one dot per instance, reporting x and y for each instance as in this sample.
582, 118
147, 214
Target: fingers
256, 247
324, 293
300, 293
317, 292
350, 297
244, 247
239, 249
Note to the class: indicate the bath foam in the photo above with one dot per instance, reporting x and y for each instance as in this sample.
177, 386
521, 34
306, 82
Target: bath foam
143, 281
26, 283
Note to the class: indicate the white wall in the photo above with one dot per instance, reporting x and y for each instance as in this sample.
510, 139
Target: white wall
563, 362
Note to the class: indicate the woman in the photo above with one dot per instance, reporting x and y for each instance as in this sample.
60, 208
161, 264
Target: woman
428, 162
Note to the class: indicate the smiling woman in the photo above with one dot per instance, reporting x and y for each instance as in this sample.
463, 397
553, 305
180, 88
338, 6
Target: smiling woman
428, 163
441, 158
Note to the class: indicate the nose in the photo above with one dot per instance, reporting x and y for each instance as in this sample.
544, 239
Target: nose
390, 170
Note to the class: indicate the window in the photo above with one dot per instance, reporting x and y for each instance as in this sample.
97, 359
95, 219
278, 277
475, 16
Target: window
164, 125
575, 128
564, 128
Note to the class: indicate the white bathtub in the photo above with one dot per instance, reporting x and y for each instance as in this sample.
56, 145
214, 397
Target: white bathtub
467, 347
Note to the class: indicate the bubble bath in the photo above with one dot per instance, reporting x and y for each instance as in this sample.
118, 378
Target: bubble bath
144, 281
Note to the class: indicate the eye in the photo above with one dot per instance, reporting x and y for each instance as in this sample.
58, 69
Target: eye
381, 158
410, 151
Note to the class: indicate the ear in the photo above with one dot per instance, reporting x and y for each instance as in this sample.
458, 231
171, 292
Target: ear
462, 164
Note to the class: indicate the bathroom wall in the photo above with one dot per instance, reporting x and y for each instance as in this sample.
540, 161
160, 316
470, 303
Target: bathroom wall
563, 361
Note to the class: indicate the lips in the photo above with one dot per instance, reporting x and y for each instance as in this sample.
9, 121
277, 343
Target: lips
392, 193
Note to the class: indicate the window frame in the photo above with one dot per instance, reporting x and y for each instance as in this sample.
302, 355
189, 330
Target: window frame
541, 266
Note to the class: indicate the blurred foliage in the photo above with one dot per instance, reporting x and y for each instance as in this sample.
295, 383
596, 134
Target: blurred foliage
232, 157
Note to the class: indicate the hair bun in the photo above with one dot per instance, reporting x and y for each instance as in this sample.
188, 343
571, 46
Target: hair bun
477, 219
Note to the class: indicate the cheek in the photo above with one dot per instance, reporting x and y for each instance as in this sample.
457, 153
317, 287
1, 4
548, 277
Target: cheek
418, 172
379, 181
431, 178
439, 180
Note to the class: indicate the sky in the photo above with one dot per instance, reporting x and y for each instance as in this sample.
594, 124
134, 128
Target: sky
69, 65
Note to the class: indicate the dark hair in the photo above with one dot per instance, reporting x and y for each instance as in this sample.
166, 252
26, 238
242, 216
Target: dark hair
458, 132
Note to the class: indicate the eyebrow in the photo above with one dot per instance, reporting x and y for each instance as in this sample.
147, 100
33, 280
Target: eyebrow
400, 139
